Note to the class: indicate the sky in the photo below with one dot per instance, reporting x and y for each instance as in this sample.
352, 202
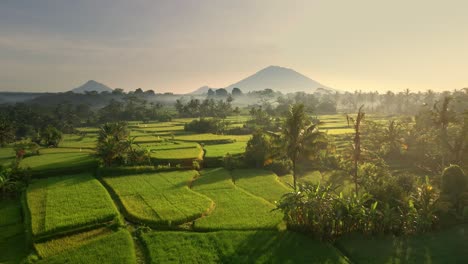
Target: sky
178, 46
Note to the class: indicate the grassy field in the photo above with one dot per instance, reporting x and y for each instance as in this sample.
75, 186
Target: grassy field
63, 204
63, 159
238, 247
208, 138
226, 216
235, 208
13, 247
58, 245
176, 151
7, 155
444, 246
160, 198
261, 183
220, 150
116, 247
77, 141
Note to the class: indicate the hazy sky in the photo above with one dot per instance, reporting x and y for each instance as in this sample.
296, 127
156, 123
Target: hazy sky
178, 46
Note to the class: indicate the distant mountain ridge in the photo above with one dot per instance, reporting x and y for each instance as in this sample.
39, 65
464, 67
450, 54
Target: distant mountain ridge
92, 86
277, 78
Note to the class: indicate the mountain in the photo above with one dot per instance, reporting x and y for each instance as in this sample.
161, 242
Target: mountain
278, 79
90, 86
202, 90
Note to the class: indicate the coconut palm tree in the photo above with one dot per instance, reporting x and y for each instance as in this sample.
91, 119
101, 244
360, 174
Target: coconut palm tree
299, 134
356, 147
112, 141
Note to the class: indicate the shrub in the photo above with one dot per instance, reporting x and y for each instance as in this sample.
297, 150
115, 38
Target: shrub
206, 126
280, 167
454, 180
258, 149
196, 165
231, 162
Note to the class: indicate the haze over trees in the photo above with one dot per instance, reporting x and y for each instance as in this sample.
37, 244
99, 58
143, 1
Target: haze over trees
332, 166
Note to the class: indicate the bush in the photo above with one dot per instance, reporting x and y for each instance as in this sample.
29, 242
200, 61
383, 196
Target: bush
206, 126
196, 165
280, 167
454, 181
231, 162
258, 150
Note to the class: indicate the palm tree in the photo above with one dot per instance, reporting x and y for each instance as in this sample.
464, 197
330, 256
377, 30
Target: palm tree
299, 134
356, 147
112, 141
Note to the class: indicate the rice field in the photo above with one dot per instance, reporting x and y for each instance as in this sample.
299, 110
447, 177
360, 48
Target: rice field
7, 155
58, 245
116, 247
235, 208
13, 246
212, 138
64, 204
238, 247
63, 159
79, 142
220, 150
443, 246
73, 219
176, 151
261, 183
160, 198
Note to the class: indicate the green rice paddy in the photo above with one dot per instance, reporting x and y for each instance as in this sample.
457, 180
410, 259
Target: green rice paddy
160, 198
64, 204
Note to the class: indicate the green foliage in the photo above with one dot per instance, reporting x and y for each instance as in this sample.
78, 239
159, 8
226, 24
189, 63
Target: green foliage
454, 180
7, 132
258, 150
65, 204
237, 247
13, 180
280, 166
299, 136
317, 210
203, 125
51, 136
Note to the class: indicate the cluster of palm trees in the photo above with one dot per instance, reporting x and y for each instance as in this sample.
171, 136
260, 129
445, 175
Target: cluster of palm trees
116, 147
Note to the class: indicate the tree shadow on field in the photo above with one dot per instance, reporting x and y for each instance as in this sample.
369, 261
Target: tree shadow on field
443, 246
282, 247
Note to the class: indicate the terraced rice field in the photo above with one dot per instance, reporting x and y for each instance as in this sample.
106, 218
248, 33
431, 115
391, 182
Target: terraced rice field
79, 142
160, 198
261, 183
220, 150
13, 246
63, 204
53, 159
212, 138
176, 151
116, 247
443, 246
7, 155
238, 247
235, 208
